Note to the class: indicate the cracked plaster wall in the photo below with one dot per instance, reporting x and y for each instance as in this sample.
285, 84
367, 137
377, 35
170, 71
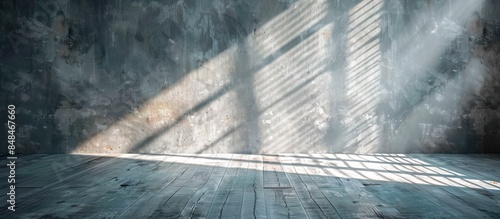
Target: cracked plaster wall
252, 76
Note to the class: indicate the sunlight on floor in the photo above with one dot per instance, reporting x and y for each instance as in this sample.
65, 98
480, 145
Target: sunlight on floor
380, 168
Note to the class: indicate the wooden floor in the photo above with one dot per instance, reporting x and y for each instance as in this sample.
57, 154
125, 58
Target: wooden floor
255, 186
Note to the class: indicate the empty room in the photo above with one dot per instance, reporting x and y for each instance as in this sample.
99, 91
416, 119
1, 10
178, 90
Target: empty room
250, 109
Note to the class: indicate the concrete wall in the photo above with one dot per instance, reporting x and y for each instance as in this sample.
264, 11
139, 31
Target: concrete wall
251, 76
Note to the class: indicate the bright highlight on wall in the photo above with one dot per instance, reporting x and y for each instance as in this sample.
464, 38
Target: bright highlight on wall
363, 77
275, 90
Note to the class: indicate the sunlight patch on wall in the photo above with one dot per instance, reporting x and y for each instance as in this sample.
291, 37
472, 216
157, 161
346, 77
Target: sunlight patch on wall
208, 87
193, 115
293, 97
363, 77
296, 20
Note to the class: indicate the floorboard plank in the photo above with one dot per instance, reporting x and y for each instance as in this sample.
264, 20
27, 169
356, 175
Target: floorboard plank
481, 201
483, 167
350, 201
36, 166
159, 178
234, 200
478, 177
410, 189
199, 204
257, 186
156, 206
315, 204
181, 197
281, 199
225, 188
438, 196
131, 186
254, 203
43, 200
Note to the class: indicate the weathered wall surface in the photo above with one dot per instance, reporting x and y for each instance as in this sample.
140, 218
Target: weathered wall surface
252, 76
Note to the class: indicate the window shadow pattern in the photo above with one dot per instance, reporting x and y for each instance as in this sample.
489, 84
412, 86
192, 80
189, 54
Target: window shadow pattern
258, 186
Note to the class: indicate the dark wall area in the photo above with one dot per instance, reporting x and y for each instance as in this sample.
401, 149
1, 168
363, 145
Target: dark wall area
239, 76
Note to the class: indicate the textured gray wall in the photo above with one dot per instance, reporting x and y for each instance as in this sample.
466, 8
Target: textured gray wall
252, 76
